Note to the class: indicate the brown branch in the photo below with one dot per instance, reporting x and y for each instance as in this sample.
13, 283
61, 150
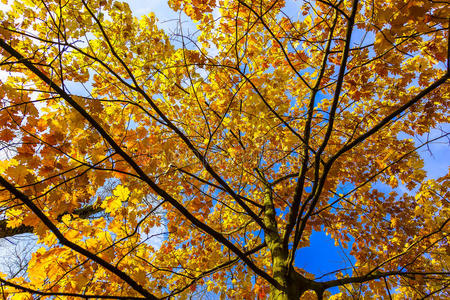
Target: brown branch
335, 8
293, 213
170, 124
41, 293
365, 278
63, 240
409, 247
215, 269
390, 117
6, 231
143, 176
396, 113
277, 41
373, 176
217, 186
300, 222
83, 213
363, 137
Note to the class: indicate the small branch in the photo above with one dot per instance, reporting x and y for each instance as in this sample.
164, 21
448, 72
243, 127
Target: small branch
365, 278
41, 293
63, 240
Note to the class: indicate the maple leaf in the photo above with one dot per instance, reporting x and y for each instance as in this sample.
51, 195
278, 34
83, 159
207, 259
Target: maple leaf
155, 165
121, 193
111, 204
15, 217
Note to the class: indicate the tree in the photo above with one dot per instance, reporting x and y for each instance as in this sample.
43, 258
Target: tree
238, 141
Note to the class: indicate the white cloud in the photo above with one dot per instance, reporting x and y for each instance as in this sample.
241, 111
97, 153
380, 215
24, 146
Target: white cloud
168, 19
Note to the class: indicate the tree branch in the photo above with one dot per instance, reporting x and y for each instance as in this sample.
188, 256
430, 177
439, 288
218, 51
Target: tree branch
41, 293
144, 177
63, 240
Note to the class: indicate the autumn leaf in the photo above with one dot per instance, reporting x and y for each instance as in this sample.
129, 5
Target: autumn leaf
154, 162
121, 193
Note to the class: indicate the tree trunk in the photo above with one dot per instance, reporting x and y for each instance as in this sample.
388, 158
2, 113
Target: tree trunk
291, 284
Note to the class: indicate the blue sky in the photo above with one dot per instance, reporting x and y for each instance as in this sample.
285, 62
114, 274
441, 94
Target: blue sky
322, 256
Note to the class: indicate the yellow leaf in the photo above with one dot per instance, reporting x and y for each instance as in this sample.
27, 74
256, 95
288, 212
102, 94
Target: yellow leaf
14, 217
111, 204
4, 164
121, 192
308, 20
